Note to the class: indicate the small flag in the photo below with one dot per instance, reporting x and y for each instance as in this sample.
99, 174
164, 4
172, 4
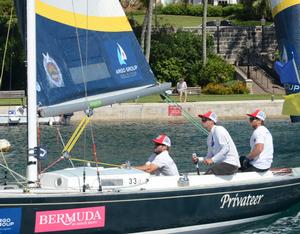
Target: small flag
288, 72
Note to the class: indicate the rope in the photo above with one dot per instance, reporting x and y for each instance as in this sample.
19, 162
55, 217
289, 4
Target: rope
93, 162
6, 45
95, 158
69, 146
12, 173
52, 164
187, 115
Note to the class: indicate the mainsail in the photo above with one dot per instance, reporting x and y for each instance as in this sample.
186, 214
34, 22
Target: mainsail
87, 56
286, 15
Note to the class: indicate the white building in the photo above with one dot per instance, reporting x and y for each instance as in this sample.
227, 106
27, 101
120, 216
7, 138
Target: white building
213, 2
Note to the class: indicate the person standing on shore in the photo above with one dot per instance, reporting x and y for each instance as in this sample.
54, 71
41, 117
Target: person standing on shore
222, 154
182, 89
260, 157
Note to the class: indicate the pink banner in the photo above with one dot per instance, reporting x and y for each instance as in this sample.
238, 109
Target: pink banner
71, 219
174, 111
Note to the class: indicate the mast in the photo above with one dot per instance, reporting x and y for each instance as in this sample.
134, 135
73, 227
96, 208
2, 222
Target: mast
31, 172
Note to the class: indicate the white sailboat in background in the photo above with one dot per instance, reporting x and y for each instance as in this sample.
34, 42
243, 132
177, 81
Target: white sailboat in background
86, 56
18, 115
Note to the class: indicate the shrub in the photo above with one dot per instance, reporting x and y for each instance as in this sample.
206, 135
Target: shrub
170, 69
194, 10
174, 9
182, 49
233, 10
239, 87
197, 10
216, 71
214, 11
236, 87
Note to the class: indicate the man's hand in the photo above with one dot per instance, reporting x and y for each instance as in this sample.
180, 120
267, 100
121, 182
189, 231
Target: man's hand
195, 159
208, 161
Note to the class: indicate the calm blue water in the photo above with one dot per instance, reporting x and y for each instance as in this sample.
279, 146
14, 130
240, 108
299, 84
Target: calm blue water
121, 141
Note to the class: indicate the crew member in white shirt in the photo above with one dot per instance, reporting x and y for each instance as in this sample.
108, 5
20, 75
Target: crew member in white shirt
222, 154
160, 162
260, 157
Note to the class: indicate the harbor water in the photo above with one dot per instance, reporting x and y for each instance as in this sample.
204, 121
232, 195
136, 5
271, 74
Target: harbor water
118, 142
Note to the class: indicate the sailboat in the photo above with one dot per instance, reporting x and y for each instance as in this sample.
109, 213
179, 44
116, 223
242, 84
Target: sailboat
93, 199
286, 21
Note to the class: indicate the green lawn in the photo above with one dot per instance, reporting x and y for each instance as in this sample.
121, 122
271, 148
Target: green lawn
174, 20
188, 21
203, 98
191, 98
11, 102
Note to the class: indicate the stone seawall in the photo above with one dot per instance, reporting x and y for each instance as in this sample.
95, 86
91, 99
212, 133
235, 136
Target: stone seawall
160, 111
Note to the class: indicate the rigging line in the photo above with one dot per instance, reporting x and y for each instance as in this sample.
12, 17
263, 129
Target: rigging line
52, 164
84, 186
6, 45
77, 136
86, 44
79, 50
187, 115
93, 162
11, 171
76, 133
95, 157
60, 137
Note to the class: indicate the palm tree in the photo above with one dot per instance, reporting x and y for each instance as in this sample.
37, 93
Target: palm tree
149, 29
262, 8
204, 57
144, 26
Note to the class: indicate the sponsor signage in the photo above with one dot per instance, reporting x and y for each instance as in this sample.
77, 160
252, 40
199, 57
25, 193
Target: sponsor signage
70, 219
228, 201
174, 111
10, 220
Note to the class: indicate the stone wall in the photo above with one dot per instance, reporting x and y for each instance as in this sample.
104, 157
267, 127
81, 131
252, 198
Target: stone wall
161, 111
233, 40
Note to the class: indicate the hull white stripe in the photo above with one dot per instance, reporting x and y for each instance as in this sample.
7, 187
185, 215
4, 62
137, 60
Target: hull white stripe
144, 199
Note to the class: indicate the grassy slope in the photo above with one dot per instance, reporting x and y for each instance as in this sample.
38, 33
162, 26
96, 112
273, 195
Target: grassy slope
174, 20
202, 98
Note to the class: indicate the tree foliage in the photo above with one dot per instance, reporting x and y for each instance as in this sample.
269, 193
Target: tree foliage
14, 76
179, 55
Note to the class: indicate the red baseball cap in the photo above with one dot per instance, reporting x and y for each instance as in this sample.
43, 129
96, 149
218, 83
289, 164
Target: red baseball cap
210, 115
258, 114
162, 139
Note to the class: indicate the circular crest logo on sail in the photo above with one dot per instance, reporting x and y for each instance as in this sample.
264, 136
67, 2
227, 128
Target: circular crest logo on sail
53, 72
121, 55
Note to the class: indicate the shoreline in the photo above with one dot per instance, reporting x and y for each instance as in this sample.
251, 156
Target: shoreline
226, 110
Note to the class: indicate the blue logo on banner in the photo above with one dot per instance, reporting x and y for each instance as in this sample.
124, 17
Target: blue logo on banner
121, 55
10, 220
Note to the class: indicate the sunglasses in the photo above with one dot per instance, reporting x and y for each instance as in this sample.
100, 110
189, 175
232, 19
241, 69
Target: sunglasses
204, 120
251, 119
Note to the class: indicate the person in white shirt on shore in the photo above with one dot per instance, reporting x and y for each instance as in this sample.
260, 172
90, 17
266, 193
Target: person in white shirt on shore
160, 162
260, 157
182, 90
222, 154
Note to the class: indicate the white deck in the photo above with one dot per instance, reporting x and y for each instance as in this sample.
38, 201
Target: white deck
70, 182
